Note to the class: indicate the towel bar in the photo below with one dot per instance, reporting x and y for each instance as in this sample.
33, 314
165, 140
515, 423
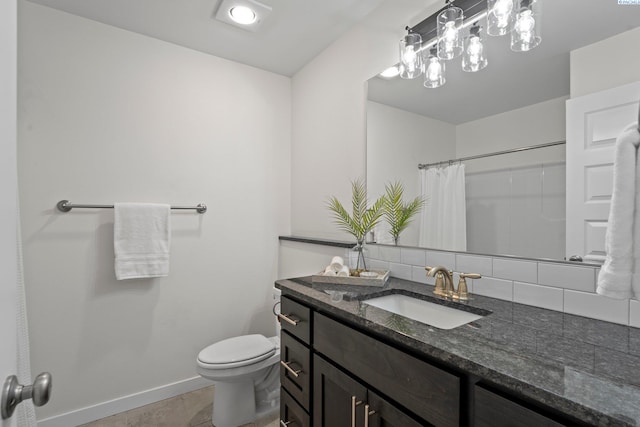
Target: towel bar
66, 206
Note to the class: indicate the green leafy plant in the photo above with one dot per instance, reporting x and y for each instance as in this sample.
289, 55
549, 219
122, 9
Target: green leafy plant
397, 213
362, 218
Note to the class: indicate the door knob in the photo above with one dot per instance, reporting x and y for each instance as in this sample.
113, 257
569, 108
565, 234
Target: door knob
14, 393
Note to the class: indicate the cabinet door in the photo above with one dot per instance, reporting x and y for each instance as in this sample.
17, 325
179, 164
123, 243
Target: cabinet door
493, 410
386, 414
338, 400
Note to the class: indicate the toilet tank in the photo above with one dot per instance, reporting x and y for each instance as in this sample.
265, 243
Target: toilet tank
276, 309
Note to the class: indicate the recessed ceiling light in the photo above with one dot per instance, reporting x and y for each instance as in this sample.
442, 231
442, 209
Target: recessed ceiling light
246, 14
242, 15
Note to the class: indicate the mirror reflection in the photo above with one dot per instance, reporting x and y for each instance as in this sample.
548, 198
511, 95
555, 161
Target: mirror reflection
515, 202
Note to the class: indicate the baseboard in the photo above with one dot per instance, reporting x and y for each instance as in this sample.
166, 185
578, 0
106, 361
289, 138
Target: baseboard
115, 406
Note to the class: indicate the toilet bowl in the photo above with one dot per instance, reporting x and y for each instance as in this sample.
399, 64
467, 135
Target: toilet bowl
246, 374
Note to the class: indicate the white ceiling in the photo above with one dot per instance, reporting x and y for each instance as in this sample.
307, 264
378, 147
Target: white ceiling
513, 80
298, 30
294, 33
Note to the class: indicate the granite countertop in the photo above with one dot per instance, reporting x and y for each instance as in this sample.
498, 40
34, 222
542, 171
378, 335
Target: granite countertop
586, 368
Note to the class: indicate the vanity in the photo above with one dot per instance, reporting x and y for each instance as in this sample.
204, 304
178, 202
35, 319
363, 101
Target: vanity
348, 363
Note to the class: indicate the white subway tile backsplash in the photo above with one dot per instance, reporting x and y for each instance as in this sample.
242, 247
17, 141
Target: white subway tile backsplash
523, 271
554, 286
413, 256
372, 251
596, 306
401, 271
375, 264
419, 274
567, 276
495, 288
474, 264
389, 253
538, 296
634, 313
446, 259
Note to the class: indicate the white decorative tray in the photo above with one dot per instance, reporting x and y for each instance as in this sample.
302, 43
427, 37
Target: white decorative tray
379, 279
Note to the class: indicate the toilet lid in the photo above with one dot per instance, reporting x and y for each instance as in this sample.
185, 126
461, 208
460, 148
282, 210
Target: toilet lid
236, 351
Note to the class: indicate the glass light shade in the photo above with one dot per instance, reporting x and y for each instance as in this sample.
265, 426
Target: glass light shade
410, 56
474, 58
525, 33
499, 17
449, 33
433, 70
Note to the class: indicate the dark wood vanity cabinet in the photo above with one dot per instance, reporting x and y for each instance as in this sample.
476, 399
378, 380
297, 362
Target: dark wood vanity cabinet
333, 375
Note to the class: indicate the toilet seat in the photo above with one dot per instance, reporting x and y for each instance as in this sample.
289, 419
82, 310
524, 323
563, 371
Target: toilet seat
237, 351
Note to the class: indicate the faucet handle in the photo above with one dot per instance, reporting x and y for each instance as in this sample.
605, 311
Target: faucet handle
463, 292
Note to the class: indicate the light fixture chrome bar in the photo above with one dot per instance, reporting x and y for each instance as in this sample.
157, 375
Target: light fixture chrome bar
497, 153
427, 28
66, 206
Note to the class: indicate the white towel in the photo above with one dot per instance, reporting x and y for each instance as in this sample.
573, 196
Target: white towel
141, 240
336, 264
620, 273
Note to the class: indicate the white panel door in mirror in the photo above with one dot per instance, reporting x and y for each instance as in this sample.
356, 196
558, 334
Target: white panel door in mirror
593, 123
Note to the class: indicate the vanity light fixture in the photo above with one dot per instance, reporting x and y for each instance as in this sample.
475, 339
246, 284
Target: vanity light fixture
443, 29
434, 70
410, 56
449, 29
474, 58
525, 34
499, 17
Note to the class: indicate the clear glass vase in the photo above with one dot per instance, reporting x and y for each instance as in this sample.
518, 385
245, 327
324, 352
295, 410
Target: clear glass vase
359, 263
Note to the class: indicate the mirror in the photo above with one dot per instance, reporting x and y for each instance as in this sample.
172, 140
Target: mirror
515, 203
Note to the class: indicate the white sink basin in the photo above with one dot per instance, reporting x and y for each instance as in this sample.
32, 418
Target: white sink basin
437, 315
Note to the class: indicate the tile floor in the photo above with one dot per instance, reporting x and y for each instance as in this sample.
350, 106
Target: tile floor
191, 409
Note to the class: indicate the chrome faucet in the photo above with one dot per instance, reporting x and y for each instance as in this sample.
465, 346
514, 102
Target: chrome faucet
444, 283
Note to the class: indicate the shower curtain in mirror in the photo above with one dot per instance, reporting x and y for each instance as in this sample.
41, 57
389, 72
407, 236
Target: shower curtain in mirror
443, 220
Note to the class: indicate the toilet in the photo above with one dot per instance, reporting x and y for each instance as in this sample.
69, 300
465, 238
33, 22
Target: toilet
246, 373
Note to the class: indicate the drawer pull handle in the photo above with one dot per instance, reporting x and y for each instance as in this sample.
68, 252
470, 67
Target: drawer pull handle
367, 412
354, 403
286, 423
287, 319
291, 370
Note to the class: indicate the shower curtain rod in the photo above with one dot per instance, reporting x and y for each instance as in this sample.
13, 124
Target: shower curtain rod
66, 206
497, 153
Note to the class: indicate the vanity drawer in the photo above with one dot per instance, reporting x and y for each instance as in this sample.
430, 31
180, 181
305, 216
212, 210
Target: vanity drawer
291, 413
295, 318
429, 392
493, 410
295, 368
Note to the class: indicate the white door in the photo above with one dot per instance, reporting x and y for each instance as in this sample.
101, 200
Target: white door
8, 270
594, 122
